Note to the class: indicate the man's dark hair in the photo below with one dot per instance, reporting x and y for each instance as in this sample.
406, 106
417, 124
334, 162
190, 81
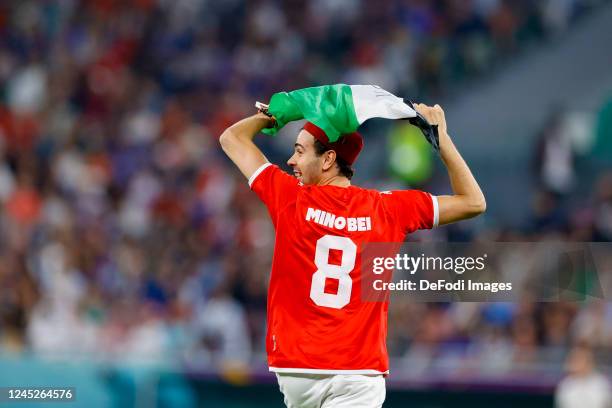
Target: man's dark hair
345, 169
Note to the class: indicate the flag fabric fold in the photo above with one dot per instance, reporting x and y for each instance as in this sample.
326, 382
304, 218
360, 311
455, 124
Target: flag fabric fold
340, 109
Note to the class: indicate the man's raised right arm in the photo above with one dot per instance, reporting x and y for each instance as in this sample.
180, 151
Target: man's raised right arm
237, 142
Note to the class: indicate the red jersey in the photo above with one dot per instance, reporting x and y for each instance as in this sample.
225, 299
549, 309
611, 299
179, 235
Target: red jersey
317, 322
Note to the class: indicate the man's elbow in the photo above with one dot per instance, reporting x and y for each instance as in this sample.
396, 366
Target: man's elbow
477, 207
460, 207
226, 140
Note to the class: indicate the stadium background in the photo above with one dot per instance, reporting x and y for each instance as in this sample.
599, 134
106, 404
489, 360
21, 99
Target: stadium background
134, 259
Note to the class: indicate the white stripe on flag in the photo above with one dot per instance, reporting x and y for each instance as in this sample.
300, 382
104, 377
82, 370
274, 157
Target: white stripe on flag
371, 101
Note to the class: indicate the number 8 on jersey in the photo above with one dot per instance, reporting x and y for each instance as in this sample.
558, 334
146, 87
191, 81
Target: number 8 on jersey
341, 272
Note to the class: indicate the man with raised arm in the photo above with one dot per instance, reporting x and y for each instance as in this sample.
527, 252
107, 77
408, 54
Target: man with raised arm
327, 346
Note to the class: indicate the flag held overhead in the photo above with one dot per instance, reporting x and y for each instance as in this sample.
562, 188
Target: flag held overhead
340, 109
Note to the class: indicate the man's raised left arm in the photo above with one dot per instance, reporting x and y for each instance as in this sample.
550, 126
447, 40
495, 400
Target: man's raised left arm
467, 200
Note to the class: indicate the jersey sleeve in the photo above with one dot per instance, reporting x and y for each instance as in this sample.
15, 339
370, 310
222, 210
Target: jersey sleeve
274, 187
412, 209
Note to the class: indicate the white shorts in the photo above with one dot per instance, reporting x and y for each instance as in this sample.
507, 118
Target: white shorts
332, 391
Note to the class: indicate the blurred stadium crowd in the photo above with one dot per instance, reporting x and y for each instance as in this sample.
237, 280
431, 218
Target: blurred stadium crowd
124, 232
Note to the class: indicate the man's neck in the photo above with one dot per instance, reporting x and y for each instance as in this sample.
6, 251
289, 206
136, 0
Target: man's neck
339, 181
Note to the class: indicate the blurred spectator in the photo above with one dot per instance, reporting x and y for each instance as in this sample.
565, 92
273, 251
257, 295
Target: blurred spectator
555, 157
222, 330
584, 386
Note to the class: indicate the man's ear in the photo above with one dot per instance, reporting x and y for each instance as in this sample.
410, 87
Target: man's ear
329, 158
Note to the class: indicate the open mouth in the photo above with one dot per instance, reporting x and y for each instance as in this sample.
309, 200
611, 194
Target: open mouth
297, 174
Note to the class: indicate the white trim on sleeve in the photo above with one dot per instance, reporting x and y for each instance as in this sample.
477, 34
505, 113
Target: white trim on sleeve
318, 371
258, 172
436, 210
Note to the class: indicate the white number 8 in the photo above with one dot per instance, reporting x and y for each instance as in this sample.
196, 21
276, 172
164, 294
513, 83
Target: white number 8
340, 272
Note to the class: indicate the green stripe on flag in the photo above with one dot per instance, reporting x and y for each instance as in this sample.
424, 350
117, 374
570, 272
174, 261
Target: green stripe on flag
330, 107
